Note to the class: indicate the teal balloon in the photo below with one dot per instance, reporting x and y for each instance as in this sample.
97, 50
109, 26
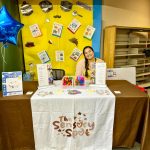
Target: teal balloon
9, 27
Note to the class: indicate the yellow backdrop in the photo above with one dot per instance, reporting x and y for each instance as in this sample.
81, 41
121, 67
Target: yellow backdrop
58, 43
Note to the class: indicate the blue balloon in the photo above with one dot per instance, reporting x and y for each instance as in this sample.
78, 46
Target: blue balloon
9, 27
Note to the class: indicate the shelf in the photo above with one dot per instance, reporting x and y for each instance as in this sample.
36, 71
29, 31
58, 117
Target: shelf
138, 65
145, 84
141, 78
143, 74
145, 64
126, 66
133, 44
129, 55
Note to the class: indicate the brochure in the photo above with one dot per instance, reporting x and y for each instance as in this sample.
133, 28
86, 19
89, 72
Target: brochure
100, 74
45, 74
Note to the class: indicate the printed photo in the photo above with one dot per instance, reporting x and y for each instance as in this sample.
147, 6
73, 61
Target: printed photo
35, 30
59, 55
89, 31
76, 53
44, 57
74, 25
57, 29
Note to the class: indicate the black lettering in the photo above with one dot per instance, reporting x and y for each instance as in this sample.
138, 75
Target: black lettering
69, 131
55, 124
74, 125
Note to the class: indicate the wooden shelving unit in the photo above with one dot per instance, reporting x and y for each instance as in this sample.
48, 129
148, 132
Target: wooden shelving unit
124, 46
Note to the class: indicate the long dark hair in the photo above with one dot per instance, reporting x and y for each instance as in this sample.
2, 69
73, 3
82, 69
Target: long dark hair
86, 60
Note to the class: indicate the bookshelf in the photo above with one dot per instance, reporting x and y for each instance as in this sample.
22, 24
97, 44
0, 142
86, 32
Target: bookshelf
124, 46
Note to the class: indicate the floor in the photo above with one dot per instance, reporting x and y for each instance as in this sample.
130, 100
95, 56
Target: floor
136, 147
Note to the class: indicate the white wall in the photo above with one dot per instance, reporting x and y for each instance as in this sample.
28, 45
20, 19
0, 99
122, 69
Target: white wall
134, 13
126, 13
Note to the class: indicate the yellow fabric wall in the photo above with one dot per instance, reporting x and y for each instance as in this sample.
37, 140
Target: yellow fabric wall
58, 43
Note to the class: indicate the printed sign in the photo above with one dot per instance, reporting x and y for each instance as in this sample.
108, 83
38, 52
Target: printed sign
12, 83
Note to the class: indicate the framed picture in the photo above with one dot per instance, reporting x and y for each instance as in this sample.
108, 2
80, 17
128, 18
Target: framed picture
44, 57
57, 29
74, 25
76, 53
59, 55
12, 83
89, 31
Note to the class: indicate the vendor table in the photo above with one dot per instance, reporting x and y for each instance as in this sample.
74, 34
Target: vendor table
131, 118
73, 118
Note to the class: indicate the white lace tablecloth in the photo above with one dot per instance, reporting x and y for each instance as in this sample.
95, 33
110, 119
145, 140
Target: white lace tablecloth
73, 118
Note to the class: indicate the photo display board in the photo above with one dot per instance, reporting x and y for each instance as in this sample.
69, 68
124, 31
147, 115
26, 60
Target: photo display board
58, 28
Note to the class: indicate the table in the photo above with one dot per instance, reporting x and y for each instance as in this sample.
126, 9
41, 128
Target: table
73, 118
132, 119
131, 122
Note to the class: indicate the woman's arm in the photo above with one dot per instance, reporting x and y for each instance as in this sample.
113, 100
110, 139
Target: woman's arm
80, 68
99, 60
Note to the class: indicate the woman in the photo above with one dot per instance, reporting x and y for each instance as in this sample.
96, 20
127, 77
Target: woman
86, 67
